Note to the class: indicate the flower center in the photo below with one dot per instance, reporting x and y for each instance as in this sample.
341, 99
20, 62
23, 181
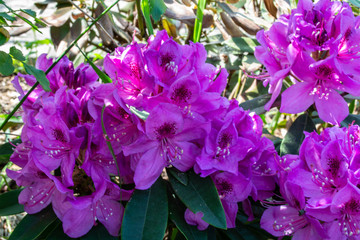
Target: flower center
181, 94
59, 135
224, 187
166, 130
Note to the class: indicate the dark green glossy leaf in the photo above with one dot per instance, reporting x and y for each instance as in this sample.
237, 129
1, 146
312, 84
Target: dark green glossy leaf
180, 176
17, 54
242, 44
295, 136
176, 215
6, 66
39, 75
54, 232
6, 150
98, 232
350, 119
200, 194
256, 104
146, 214
32, 225
157, 9
9, 204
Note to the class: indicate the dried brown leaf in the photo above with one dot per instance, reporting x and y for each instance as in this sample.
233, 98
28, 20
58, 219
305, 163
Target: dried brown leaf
240, 19
230, 26
269, 4
58, 17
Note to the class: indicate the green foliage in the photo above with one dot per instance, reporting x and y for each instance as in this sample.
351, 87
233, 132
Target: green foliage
295, 136
200, 195
176, 215
242, 44
39, 75
33, 225
180, 176
199, 20
6, 66
157, 9
145, 8
146, 214
105, 78
9, 204
17, 54
6, 150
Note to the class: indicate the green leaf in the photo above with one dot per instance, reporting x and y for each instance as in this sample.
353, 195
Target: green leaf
7, 16
176, 215
356, 3
242, 44
29, 12
157, 9
57, 232
145, 8
295, 136
17, 54
32, 225
9, 204
4, 36
27, 21
141, 114
98, 232
50, 232
6, 150
105, 78
6, 66
256, 104
350, 119
180, 176
13, 121
199, 19
200, 195
146, 214
39, 75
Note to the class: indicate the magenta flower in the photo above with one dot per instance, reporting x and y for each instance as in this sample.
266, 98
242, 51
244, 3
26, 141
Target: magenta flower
291, 219
195, 219
127, 70
168, 139
320, 86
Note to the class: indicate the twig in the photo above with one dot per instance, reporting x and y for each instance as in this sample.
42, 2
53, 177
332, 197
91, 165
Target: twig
97, 23
99, 47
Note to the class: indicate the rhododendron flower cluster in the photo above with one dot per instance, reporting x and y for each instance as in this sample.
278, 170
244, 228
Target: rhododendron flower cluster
319, 188
163, 109
316, 47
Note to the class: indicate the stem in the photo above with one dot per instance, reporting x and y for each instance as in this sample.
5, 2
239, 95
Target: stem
275, 122
108, 140
57, 60
140, 18
97, 24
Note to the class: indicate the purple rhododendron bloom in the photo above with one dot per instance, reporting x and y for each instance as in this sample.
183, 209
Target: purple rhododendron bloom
168, 139
164, 109
315, 47
195, 219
